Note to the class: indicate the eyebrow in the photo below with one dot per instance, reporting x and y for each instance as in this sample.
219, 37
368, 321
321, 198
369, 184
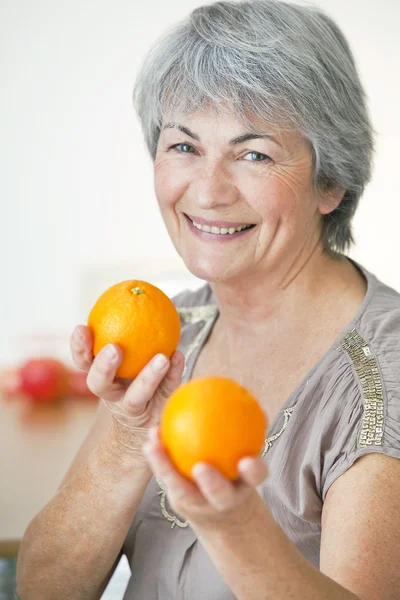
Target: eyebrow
233, 142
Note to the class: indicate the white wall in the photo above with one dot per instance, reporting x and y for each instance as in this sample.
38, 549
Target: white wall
76, 185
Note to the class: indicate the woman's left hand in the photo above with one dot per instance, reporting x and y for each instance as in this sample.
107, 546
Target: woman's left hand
212, 500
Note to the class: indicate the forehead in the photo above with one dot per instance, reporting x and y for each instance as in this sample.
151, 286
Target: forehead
220, 114
222, 123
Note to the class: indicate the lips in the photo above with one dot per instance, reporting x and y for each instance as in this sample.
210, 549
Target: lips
224, 235
217, 223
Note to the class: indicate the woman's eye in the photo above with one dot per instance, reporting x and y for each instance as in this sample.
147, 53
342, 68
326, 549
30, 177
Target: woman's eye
256, 156
185, 148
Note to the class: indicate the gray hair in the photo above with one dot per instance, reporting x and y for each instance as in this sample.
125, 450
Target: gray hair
289, 65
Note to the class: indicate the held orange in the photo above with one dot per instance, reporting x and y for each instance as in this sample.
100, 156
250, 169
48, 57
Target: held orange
213, 420
140, 319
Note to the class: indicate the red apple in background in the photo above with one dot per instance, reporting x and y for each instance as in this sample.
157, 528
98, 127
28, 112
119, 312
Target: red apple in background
43, 379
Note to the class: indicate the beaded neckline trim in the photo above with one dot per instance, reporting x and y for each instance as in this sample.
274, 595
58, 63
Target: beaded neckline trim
193, 314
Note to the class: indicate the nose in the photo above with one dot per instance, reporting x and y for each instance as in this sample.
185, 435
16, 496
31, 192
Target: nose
213, 186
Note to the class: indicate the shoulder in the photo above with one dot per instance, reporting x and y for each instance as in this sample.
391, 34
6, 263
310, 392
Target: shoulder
375, 342
380, 321
368, 351
361, 412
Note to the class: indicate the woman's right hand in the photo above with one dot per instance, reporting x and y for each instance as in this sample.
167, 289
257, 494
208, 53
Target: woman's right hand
137, 404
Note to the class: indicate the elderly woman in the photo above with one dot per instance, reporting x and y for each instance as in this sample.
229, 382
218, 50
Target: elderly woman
255, 117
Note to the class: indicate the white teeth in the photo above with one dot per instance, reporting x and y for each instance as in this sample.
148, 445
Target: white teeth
220, 230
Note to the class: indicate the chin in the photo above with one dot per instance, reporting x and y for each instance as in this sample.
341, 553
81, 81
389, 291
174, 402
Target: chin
208, 270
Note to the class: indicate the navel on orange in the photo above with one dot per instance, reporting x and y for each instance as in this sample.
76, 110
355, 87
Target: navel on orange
140, 319
213, 420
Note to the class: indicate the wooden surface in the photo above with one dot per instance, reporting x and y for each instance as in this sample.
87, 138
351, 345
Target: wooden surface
37, 447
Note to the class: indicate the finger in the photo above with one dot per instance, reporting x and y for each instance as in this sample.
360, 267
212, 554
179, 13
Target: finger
145, 385
100, 379
81, 344
216, 489
177, 485
173, 376
253, 470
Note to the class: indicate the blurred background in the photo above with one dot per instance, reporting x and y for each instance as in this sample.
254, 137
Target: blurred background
78, 211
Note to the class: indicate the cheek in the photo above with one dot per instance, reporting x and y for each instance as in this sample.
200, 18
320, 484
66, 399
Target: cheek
275, 203
283, 196
169, 184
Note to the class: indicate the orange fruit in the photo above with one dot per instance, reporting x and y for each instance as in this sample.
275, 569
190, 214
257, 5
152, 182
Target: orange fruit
140, 319
213, 420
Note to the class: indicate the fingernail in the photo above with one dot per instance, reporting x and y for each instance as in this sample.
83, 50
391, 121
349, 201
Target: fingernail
110, 352
159, 362
199, 470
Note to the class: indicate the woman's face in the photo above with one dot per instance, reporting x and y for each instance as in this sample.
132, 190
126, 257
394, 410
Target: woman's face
211, 171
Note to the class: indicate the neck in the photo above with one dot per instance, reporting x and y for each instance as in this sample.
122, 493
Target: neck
251, 306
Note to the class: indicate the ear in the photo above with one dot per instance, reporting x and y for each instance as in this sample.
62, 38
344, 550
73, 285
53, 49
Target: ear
330, 199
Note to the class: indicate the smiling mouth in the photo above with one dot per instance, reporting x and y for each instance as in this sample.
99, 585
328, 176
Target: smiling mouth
219, 230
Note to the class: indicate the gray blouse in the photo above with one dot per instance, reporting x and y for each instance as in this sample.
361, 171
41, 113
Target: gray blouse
348, 405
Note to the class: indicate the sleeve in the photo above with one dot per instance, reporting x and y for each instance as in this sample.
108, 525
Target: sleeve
366, 413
